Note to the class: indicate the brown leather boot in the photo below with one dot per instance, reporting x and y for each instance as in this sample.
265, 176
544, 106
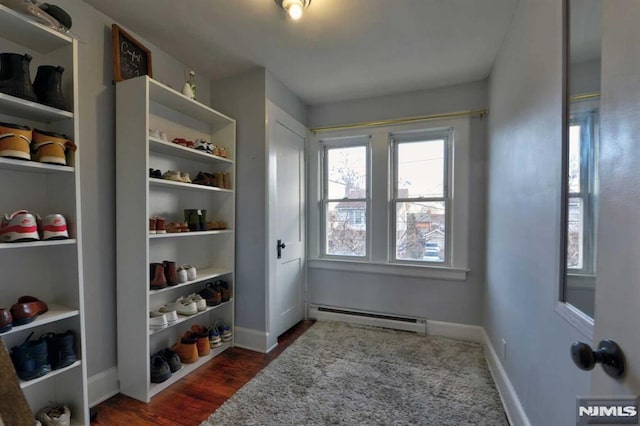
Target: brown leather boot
170, 273
156, 275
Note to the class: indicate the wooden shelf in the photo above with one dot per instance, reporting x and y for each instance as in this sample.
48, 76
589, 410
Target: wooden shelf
27, 110
26, 32
32, 166
9, 246
170, 148
203, 275
54, 314
25, 384
191, 234
164, 183
183, 318
155, 388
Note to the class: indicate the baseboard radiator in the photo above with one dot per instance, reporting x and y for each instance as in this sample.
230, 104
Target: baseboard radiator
327, 313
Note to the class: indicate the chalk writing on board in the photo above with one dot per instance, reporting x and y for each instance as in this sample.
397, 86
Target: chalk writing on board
131, 59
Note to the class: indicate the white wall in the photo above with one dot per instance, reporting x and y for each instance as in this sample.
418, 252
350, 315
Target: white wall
452, 301
523, 220
280, 95
97, 156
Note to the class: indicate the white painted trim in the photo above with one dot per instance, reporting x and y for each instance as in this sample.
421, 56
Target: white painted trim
253, 340
416, 327
574, 316
396, 269
470, 333
103, 386
512, 406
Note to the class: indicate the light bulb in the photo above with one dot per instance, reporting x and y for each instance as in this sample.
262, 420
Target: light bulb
295, 11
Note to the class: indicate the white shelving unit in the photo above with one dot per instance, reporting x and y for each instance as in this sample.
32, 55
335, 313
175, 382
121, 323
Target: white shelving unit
142, 104
48, 270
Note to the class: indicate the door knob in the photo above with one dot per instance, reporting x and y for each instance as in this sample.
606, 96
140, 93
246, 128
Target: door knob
608, 354
281, 246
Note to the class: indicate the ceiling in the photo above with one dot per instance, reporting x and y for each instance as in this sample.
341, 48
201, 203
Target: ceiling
339, 50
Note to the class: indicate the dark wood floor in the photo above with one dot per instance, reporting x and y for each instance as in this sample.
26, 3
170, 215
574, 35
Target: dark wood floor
191, 400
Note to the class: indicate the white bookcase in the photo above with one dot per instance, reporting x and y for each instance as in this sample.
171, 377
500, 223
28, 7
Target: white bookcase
141, 104
48, 270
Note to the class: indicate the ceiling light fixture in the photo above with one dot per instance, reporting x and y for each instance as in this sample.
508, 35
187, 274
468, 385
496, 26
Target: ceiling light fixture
294, 7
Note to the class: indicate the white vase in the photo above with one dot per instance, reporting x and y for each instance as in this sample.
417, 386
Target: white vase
186, 90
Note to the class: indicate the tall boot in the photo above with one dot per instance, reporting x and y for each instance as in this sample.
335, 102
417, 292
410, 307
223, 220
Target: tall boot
156, 276
48, 86
15, 79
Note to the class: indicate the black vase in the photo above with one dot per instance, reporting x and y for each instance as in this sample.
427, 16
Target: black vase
48, 86
15, 79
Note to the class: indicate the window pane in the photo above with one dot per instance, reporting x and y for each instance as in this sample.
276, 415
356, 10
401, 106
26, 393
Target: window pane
346, 228
575, 245
574, 159
420, 231
347, 172
421, 169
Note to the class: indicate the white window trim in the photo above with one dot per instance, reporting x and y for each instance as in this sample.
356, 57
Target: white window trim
379, 223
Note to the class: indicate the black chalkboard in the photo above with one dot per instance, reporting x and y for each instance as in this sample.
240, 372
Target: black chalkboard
130, 58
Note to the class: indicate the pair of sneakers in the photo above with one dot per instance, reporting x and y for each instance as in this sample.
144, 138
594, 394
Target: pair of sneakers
163, 364
223, 330
22, 226
176, 176
157, 134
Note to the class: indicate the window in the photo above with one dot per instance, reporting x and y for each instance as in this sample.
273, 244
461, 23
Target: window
345, 199
421, 197
582, 182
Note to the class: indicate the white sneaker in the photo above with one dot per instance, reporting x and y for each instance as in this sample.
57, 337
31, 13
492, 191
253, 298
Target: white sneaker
185, 177
201, 304
154, 133
53, 227
58, 415
169, 312
184, 306
182, 275
191, 272
20, 226
157, 320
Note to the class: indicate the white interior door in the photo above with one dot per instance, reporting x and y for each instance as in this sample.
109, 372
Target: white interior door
287, 220
617, 302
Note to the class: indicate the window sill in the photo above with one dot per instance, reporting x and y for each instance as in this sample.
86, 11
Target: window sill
435, 272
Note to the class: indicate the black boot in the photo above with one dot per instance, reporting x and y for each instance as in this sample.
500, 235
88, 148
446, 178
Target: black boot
15, 79
61, 349
48, 86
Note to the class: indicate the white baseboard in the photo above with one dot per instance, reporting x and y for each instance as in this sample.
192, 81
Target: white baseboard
512, 406
103, 386
253, 340
354, 316
470, 333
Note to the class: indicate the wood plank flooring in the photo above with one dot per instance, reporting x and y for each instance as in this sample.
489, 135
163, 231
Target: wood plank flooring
192, 400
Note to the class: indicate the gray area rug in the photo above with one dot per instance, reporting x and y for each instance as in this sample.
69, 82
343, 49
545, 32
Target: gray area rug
345, 374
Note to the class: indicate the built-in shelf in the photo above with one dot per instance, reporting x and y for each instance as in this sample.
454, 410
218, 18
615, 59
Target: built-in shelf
10, 246
26, 32
25, 384
33, 166
186, 369
164, 183
27, 110
55, 313
190, 234
203, 275
175, 100
170, 148
183, 318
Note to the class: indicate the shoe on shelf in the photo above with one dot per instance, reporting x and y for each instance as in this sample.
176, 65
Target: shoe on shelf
172, 175
20, 226
163, 137
15, 141
224, 329
170, 273
223, 152
27, 309
54, 415
201, 304
212, 295
156, 275
172, 359
214, 338
157, 320
184, 306
191, 272
202, 179
185, 177
160, 228
169, 311
60, 348
187, 350
50, 147
202, 145
152, 225
160, 370
173, 228
182, 275
156, 174
154, 133
224, 289
52, 227
184, 227
6, 320
31, 359
202, 339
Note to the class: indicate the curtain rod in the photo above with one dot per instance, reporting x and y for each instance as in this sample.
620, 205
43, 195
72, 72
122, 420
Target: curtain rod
478, 112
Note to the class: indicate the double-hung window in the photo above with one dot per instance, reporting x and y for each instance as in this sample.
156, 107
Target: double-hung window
346, 197
421, 197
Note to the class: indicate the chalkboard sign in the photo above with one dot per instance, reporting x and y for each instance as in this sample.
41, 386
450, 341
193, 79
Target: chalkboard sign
130, 58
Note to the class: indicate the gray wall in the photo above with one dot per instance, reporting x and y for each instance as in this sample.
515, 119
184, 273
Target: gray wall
280, 95
97, 157
523, 225
243, 98
451, 301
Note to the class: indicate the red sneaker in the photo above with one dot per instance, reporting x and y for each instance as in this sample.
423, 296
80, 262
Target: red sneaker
19, 226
